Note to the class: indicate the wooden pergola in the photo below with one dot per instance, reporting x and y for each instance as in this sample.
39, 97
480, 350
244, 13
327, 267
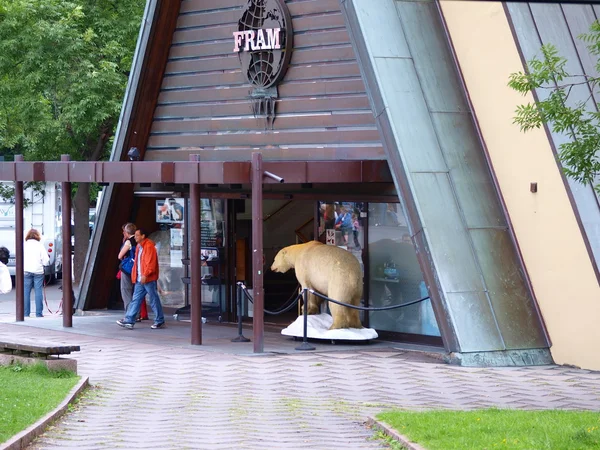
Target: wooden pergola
194, 173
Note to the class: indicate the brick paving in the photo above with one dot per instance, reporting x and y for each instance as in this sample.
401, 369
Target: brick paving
151, 392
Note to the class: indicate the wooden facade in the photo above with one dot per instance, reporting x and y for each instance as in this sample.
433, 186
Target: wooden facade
322, 112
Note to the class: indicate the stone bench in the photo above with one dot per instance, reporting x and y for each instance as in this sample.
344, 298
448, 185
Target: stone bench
32, 352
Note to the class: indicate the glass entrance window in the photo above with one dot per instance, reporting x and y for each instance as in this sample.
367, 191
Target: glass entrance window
342, 224
173, 248
169, 240
212, 255
394, 274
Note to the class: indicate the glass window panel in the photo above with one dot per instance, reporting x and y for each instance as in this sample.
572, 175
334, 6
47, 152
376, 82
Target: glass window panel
212, 229
394, 275
343, 224
169, 241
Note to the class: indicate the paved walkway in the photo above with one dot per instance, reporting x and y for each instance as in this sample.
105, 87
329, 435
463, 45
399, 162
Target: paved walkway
151, 389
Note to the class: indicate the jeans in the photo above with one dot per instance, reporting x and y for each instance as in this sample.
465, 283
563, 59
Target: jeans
139, 292
34, 281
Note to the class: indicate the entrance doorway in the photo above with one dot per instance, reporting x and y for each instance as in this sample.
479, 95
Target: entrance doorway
286, 222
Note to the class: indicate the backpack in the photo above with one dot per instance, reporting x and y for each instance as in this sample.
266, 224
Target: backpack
127, 262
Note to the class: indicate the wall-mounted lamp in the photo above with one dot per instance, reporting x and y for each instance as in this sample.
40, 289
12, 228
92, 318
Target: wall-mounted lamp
533, 187
133, 154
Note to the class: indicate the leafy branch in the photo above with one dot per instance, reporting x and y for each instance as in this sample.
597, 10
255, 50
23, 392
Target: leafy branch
577, 120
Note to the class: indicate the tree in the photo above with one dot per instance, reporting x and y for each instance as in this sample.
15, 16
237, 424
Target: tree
578, 120
64, 66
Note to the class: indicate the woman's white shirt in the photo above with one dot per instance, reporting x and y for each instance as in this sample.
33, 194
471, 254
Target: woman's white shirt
5, 281
35, 257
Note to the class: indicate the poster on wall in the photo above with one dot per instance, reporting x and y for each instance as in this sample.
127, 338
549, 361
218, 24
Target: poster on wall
176, 238
170, 210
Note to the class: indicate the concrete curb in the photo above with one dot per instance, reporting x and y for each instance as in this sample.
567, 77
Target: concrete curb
25, 437
389, 431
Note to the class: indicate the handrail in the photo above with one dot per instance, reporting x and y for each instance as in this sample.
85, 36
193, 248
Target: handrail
299, 233
277, 211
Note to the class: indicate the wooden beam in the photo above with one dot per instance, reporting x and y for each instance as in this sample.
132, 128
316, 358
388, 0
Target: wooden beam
196, 262
257, 254
19, 239
67, 279
211, 172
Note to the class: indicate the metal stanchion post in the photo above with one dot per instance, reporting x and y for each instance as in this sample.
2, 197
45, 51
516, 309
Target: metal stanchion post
240, 337
305, 345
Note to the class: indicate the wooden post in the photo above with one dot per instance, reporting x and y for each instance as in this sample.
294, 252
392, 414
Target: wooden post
67, 277
19, 239
257, 252
195, 261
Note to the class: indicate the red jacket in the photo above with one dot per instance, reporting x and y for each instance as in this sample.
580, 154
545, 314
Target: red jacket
149, 261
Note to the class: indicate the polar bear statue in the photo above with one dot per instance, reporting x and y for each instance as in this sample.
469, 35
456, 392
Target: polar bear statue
329, 270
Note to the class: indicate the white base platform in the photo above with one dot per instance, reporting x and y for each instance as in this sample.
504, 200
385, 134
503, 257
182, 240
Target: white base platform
318, 328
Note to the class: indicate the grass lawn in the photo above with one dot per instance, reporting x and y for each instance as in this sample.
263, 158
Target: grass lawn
498, 429
27, 393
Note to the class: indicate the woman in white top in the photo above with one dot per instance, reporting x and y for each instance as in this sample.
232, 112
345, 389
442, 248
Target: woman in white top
35, 257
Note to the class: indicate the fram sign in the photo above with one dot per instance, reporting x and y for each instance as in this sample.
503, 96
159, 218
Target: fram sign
256, 40
7, 211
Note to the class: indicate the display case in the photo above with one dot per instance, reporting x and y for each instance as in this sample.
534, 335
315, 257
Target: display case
212, 269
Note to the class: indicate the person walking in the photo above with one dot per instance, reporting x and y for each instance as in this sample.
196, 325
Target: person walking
35, 258
126, 256
145, 273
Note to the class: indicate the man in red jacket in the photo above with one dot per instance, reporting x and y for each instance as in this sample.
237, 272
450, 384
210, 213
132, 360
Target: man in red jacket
145, 275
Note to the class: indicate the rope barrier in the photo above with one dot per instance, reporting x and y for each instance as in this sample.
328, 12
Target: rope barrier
59, 309
370, 308
242, 290
284, 309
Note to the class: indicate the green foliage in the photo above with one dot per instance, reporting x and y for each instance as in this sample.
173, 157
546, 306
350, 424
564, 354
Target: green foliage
577, 120
498, 428
63, 73
64, 67
7, 191
29, 392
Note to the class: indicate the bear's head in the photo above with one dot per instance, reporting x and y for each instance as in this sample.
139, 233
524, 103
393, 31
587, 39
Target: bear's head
281, 263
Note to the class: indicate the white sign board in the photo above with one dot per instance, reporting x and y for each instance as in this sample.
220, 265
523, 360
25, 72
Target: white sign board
330, 237
7, 211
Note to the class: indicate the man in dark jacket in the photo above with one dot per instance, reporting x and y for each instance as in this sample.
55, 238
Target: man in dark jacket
145, 276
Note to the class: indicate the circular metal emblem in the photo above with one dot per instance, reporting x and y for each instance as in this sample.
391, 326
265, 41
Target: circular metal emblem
267, 38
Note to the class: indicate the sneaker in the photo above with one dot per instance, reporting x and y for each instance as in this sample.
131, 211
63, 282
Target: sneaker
156, 326
124, 324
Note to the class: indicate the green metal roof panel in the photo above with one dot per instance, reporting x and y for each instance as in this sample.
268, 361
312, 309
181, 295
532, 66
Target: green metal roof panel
433, 62
408, 111
382, 21
440, 171
469, 172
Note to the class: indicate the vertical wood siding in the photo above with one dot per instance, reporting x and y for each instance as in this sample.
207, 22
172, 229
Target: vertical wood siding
322, 112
